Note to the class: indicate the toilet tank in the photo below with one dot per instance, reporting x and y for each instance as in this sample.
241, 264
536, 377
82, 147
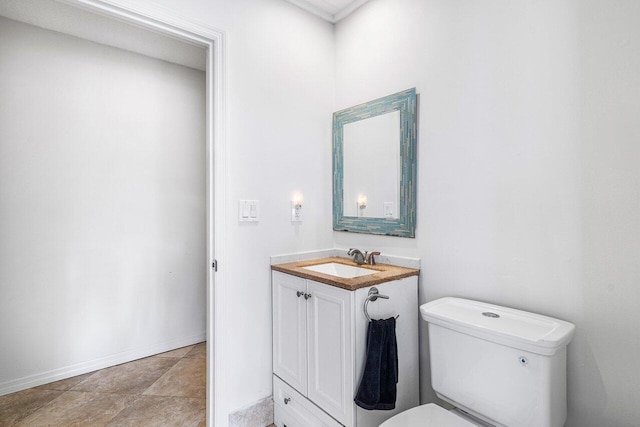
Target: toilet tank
504, 366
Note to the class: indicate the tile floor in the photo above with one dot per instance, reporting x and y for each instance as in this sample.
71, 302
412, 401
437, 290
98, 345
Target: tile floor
163, 390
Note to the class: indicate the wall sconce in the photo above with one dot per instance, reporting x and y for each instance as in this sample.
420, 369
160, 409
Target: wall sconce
296, 208
362, 205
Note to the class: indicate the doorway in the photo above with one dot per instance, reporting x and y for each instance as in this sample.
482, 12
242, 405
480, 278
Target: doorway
211, 41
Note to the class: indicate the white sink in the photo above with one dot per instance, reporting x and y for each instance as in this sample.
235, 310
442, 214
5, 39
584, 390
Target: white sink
340, 270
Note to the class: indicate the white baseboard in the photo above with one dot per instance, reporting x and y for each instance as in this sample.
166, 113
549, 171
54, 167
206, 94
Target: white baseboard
65, 372
259, 414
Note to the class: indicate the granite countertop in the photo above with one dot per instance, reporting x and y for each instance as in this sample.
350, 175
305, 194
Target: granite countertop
386, 273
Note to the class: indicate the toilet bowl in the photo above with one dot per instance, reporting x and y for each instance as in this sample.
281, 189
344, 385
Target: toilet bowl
429, 415
496, 365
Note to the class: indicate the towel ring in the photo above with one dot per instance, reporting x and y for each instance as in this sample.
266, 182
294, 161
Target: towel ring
372, 296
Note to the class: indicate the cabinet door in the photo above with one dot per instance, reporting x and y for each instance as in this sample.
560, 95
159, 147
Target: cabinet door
331, 350
289, 330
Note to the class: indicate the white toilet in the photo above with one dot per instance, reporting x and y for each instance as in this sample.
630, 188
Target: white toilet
497, 366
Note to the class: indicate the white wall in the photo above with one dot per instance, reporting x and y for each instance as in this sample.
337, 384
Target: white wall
280, 87
279, 99
102, 205
528, 177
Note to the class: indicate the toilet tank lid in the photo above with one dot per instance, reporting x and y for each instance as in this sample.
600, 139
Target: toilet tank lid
515, 328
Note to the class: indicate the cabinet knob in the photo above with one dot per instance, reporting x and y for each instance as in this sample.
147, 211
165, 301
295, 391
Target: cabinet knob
299, 293
287, 400
307, 296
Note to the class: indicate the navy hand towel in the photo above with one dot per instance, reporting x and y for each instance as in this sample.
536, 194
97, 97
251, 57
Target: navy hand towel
377, 388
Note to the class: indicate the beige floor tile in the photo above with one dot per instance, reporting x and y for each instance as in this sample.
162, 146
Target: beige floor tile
162, 411
95, 398
198, 351
65, 384
78, 409
186, 378
129, 378
16, 406
179, 352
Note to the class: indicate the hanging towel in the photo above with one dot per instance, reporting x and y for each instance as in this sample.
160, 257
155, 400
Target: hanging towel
377, 388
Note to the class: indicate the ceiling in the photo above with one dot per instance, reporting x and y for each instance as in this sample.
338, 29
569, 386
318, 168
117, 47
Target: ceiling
53, 15
329, 10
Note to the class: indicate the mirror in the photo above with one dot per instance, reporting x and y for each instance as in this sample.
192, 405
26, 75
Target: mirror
374, 166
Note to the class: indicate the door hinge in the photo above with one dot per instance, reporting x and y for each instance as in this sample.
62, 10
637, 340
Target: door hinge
214, 265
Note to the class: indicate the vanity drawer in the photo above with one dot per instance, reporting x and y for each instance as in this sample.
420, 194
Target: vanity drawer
298, 411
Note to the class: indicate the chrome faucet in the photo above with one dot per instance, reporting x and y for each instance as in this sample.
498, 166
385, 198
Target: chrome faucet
369, 259
358, 257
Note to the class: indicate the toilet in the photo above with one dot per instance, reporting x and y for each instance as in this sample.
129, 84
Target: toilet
497, 366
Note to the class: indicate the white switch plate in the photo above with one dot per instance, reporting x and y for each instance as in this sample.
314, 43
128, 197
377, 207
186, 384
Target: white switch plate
296, 212
249, 211
388, 209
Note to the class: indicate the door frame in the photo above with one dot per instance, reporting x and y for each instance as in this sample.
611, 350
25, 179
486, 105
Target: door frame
161, 20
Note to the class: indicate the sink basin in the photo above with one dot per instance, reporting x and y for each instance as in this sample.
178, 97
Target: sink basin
340, 270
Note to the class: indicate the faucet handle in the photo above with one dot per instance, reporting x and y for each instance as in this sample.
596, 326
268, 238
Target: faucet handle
369, 259
358, 257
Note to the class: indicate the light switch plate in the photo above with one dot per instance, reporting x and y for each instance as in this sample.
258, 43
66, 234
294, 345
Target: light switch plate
389, 209
249, 211
296, 212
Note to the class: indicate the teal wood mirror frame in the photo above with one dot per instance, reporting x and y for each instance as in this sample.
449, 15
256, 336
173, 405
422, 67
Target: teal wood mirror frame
404, 225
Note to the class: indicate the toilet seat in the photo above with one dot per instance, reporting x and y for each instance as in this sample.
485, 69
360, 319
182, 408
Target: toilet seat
429, 415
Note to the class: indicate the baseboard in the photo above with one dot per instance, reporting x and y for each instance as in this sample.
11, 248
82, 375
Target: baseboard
35, 380
259, 414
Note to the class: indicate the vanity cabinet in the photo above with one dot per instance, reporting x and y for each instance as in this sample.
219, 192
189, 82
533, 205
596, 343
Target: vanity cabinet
319, 345
312, 345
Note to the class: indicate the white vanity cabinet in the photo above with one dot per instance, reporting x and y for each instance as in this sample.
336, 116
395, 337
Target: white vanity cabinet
319, 344
312, 346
